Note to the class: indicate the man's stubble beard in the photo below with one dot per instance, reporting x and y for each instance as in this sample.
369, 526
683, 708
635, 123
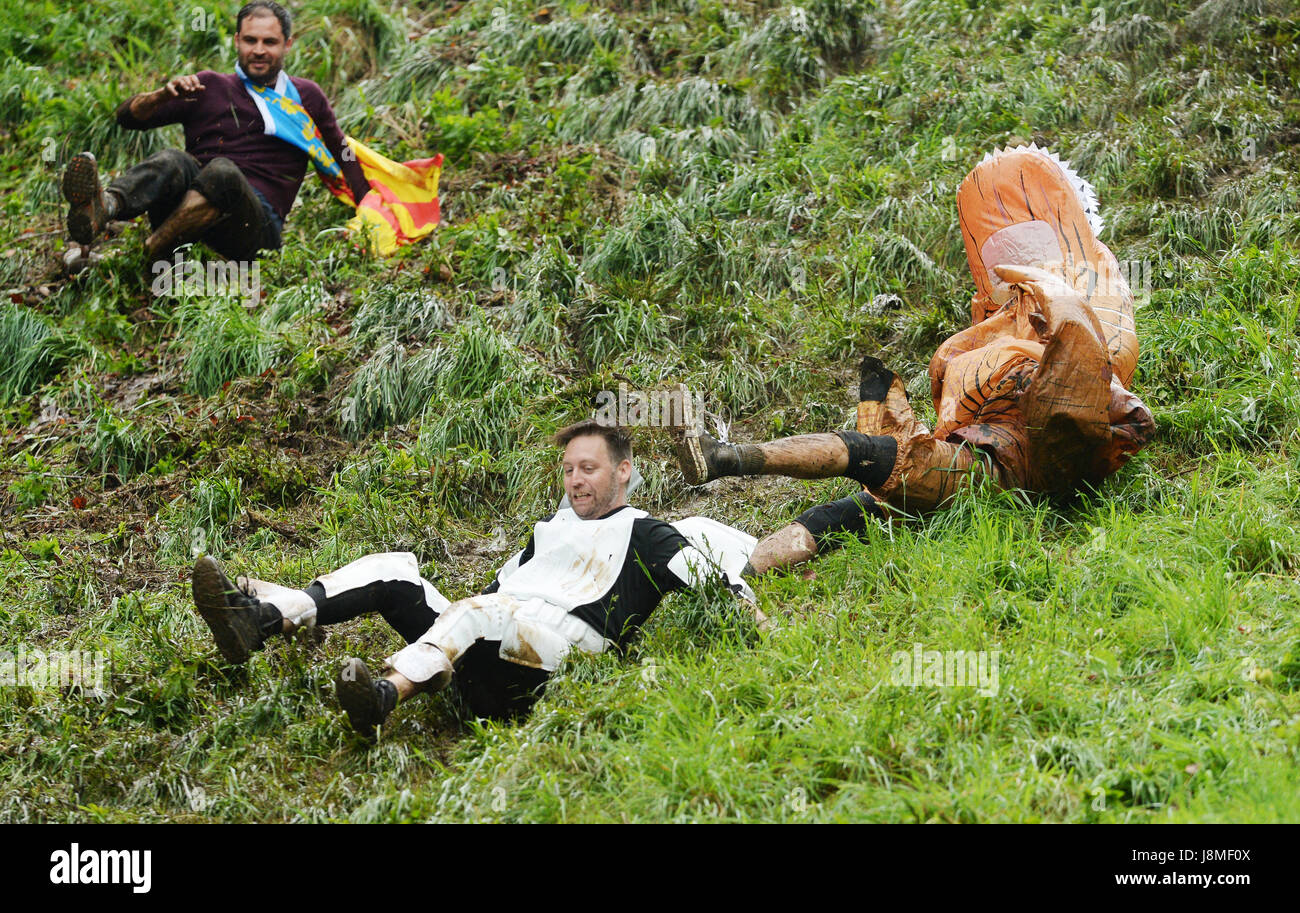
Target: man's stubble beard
604, 506
267, 80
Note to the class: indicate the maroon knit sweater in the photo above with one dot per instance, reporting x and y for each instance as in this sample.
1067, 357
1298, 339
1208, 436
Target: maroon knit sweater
223, 121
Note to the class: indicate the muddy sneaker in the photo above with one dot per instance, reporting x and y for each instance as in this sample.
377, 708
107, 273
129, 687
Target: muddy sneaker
240, 622
697, 454
89, 208
367, 702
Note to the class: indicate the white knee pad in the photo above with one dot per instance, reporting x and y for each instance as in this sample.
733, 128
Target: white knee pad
368, 569
423, 664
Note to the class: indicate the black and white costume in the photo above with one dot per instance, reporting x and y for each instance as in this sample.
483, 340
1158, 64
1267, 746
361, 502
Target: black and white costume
584, 584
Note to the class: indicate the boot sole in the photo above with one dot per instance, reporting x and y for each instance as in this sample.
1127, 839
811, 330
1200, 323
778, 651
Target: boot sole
86, 216
690, 456
235, 632
356, 695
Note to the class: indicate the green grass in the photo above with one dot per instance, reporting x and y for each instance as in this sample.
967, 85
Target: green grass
742, 197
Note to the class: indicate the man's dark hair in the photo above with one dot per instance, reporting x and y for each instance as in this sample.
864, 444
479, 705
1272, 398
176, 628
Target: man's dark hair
262, 8
616, 439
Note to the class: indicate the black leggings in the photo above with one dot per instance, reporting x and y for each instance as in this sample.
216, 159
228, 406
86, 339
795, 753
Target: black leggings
847, 515
489, 685
400, 602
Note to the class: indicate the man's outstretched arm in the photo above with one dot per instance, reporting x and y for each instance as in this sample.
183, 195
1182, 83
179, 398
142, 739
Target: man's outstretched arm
675, 563
163, 106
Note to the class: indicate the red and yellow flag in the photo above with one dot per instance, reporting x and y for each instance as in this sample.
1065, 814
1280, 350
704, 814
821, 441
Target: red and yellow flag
402, 205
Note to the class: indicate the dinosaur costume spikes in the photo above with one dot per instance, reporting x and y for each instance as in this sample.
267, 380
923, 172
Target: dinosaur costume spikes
1082, 187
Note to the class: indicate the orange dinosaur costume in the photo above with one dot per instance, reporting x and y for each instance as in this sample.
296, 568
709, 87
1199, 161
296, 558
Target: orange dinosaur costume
1033, 395
1039, 380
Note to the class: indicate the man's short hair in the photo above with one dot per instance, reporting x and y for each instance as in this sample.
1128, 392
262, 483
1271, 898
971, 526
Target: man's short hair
262, 8
616, 439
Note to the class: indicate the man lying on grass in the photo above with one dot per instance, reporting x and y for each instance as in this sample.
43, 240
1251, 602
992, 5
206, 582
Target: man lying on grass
588, 578
249, 136
1033, 395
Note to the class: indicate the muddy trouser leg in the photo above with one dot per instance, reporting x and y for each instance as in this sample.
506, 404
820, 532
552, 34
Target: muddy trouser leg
248, 224
156, 186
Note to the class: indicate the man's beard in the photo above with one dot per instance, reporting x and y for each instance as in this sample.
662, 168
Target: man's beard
268, 79
599, 506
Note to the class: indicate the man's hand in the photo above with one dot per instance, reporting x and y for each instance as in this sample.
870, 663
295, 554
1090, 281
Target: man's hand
184, 87
146, 103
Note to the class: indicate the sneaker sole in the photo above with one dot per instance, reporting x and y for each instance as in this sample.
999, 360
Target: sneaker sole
82, 191
235, 633
356, 695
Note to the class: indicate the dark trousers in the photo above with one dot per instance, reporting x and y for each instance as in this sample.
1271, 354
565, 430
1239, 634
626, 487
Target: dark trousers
489, 685
158, 184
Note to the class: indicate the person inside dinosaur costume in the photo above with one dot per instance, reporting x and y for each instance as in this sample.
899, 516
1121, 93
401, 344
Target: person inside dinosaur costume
1033, 394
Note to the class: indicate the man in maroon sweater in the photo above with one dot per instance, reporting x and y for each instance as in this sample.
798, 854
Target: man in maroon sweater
234, 184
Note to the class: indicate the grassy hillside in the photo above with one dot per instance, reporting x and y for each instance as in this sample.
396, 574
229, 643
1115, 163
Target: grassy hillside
745, 197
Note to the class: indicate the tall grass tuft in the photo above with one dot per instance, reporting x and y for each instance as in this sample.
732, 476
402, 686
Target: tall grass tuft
31, 351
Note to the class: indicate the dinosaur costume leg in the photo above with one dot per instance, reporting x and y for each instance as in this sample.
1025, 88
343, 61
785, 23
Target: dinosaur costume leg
927, 471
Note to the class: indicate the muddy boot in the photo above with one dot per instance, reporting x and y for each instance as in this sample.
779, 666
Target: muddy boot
240, 622
187, 223
704, 458
89, 207
367, 702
